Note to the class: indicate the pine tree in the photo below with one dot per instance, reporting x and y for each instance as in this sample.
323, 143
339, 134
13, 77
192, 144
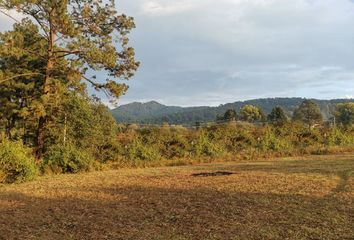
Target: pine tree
90, 36
230, 115
19, 95
309, 113
277, 117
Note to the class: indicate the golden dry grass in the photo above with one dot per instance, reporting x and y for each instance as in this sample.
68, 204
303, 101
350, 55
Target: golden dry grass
294, 198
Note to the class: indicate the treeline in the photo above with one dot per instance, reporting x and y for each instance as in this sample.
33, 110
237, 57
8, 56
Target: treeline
155, 113
256, 135
85, 136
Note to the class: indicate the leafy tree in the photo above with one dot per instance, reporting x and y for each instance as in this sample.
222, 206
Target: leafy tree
344, 113
18, 96
230, 115
309, 113
85, 34
251, 113
277, 116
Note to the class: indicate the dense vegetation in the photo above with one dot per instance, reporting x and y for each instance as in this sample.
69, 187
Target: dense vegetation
155, 113
85, 137
178, 145
47, 61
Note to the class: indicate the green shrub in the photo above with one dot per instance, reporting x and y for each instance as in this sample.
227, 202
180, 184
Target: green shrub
337, 137
16, 163
206, 147
271, 142
175, 146
68, 159
137, 150
241, 139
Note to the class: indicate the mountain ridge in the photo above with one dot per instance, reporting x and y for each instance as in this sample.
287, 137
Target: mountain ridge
153, 112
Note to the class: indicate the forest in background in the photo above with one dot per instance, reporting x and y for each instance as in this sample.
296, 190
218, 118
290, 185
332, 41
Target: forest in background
156, 113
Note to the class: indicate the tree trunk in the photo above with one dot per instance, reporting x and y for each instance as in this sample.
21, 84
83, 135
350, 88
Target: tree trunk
46, 91
65, 129
9, 127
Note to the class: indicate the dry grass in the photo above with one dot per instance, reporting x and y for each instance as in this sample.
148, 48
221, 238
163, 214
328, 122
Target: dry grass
299, 198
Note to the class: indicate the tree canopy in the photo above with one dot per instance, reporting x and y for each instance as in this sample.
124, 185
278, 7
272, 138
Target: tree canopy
252, 113
277, 116
309, 113
344, 113
72, 40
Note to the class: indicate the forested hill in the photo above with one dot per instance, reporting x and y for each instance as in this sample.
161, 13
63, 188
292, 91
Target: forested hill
156, 113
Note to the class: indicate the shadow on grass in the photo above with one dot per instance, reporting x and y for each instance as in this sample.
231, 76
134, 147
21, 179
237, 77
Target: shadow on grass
342, 168
298, 166
161, 213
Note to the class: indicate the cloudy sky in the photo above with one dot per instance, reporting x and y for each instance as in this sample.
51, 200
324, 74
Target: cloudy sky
208, 52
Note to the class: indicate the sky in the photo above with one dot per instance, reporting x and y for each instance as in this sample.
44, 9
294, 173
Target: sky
211, 52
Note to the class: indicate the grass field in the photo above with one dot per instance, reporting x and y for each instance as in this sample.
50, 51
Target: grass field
302, 198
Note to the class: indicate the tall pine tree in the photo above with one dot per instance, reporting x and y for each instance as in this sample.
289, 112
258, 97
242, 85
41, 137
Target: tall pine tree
90, 36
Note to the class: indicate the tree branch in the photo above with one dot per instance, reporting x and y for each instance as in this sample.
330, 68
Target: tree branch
96, 85
9, 16
19, 75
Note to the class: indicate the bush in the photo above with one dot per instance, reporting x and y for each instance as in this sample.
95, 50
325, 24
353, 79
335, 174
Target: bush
142, 151
336, 137
67, 159
175, 146
16, 163
269, 142
205, 146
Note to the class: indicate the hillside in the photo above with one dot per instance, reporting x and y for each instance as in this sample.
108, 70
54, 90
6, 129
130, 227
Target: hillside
156, 113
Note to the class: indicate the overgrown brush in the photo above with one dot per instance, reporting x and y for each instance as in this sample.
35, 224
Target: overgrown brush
16, 163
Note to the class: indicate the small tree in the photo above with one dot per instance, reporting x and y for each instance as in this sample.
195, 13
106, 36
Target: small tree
230, 115
344, 113
309, 113
277, 117
251, 113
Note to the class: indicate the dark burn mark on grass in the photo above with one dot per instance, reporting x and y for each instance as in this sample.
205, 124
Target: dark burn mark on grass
212, 174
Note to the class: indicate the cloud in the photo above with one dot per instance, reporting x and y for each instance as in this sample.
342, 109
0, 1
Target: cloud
207, 52
211, 52
163, 8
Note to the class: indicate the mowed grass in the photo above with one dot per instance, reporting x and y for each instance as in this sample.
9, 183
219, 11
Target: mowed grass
294, 198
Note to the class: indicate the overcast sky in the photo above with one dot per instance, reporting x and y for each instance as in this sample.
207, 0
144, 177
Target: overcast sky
208, 52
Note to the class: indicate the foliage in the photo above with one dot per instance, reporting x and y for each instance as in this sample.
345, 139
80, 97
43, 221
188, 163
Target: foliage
85, 123
16, 163
236, 139
277, 117
344, 113
205, 146
230, 115
337, 137
309, 113
251, 113
155, 113
20, 97
140, 151
70, 38
67, 159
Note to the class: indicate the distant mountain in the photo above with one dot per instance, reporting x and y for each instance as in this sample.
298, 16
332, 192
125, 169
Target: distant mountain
135, 112
156, 113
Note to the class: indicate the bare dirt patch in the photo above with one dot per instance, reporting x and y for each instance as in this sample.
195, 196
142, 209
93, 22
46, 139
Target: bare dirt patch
211, 174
